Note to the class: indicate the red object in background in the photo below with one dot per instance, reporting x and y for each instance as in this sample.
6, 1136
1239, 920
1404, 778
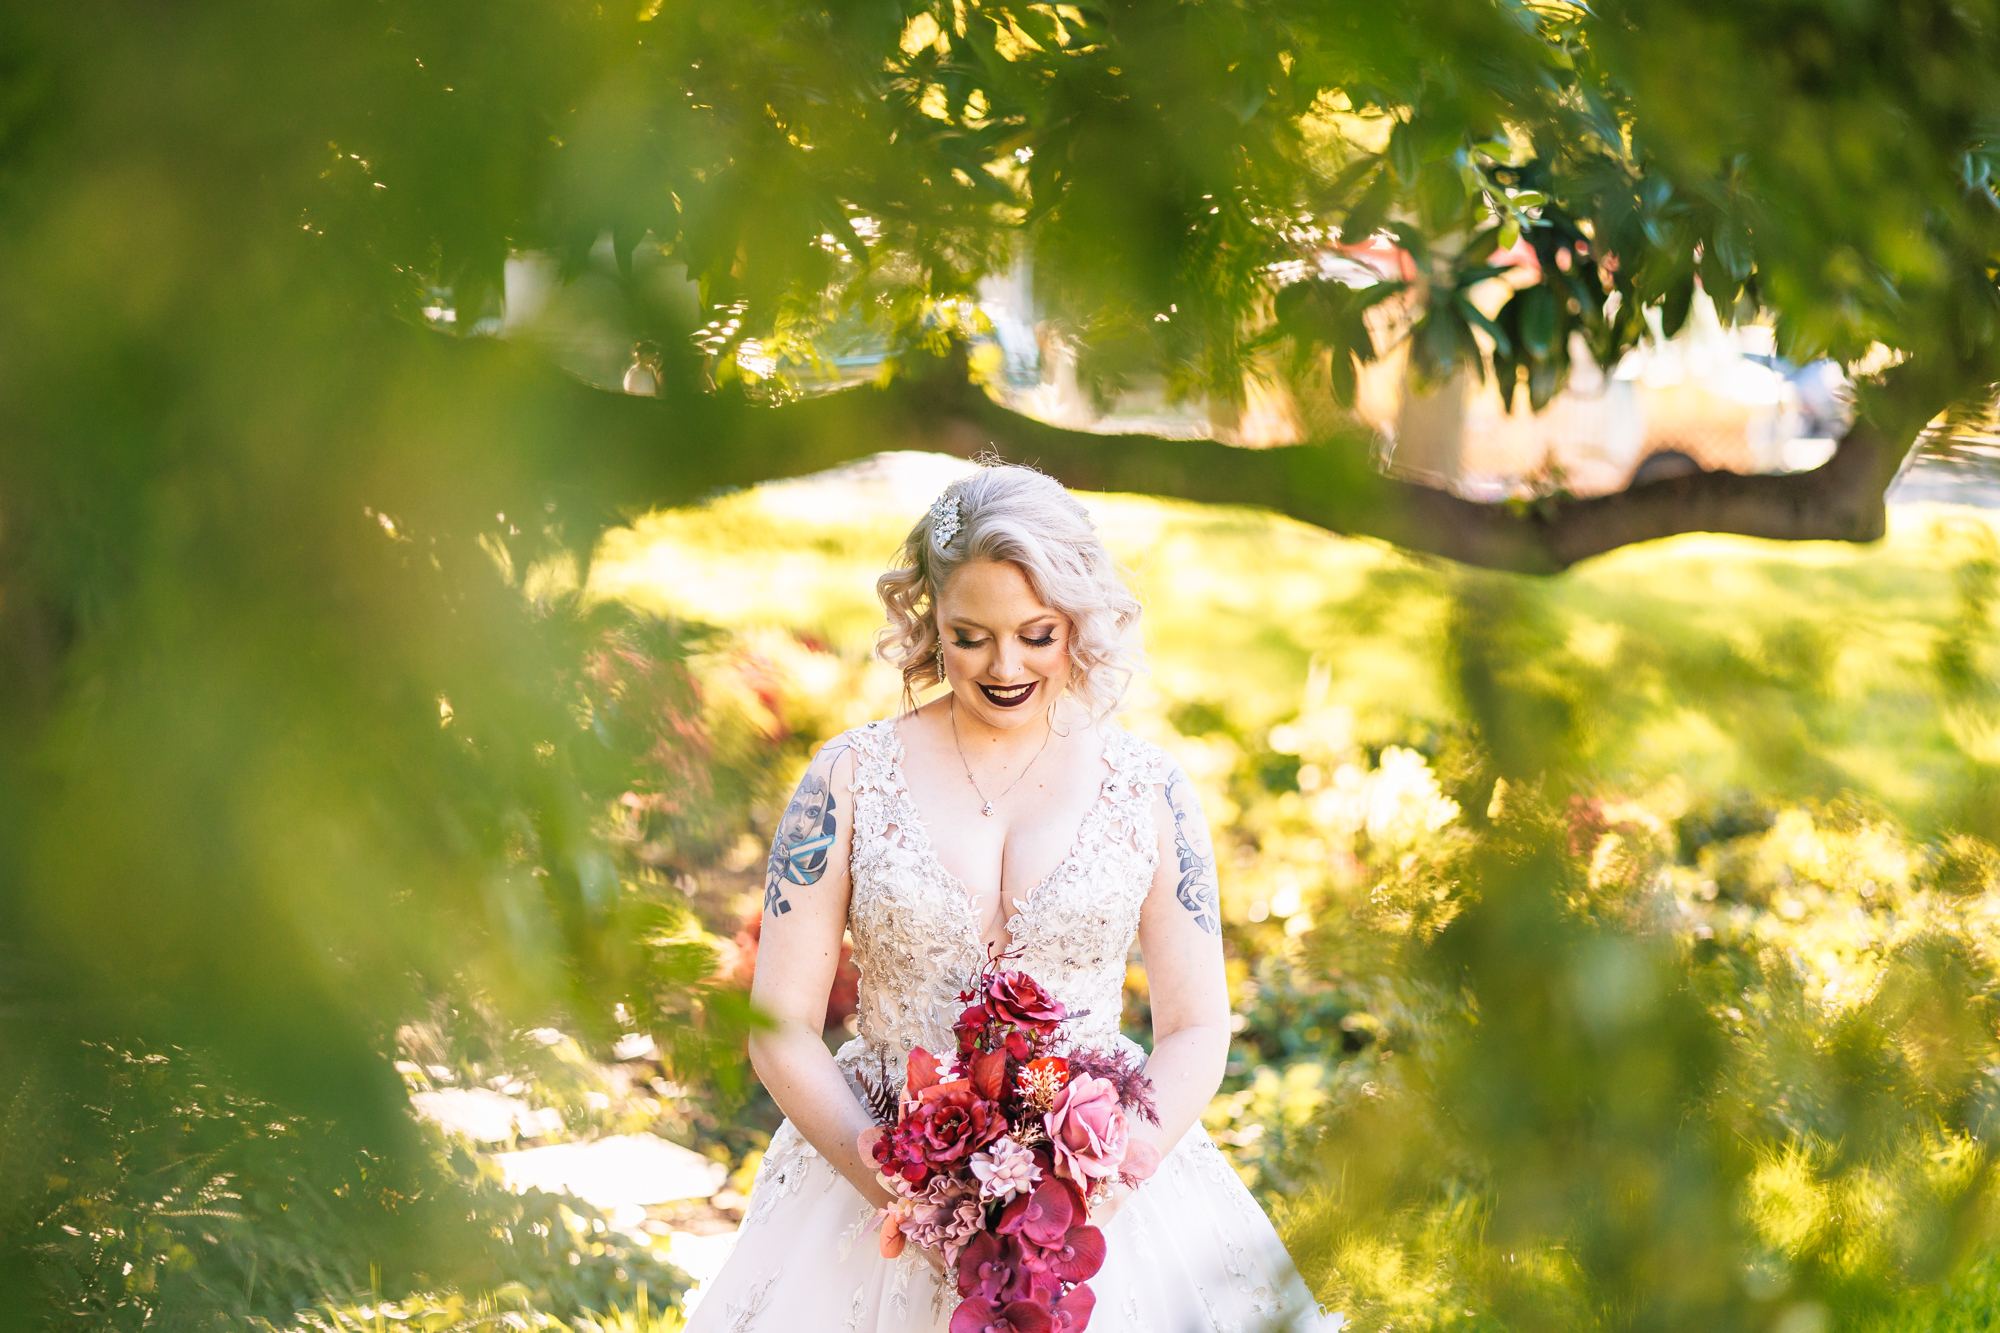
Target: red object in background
841, 1001
1393, 262
1381, 253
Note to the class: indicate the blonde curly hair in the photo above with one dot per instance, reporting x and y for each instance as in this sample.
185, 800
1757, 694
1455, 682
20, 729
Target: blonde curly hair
1013, 513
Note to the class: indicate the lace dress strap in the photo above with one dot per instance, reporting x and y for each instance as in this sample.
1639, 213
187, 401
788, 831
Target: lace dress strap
877, 784
1139, 771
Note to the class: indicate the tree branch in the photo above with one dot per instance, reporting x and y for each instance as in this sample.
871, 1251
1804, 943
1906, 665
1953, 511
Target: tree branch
680, 450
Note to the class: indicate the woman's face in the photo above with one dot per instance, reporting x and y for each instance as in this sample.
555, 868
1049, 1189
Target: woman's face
1006, 655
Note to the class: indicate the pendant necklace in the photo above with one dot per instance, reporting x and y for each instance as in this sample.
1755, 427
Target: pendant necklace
987, 807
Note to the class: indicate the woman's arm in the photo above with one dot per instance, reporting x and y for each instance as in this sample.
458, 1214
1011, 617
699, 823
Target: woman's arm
1180, 937
805, 912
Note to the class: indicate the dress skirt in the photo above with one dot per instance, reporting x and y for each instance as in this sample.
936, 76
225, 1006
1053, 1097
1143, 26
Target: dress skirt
1189, 1252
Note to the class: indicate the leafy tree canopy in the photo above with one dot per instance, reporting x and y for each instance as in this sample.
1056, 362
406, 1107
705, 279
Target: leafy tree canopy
296, 722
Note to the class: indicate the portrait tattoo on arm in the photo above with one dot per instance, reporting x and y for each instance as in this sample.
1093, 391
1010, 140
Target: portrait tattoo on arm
1198, 888
805, 833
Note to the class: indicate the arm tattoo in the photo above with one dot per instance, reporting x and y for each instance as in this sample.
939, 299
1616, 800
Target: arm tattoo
805, 833
1197, 889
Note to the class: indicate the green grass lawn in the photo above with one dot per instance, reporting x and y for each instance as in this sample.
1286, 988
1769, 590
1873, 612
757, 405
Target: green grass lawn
1715, 662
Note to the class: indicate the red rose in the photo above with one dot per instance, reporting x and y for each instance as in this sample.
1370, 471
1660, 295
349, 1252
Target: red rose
1017, 998
949, 1122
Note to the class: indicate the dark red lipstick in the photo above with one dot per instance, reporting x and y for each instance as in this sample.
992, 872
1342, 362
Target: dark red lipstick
1010, 699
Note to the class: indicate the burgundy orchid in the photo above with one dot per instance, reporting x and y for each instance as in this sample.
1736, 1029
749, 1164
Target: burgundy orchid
1077, 1257
983, 1316
970, 1026
986, 1265
1043, 1217
1072, 1312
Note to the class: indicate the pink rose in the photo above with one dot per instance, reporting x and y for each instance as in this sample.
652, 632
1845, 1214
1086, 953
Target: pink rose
1087, 1129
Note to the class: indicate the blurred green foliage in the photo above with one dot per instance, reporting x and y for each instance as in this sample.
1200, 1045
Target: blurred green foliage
307, 725
153, 1194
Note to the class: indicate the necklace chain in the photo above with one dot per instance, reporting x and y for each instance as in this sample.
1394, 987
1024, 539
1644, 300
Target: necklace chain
986, 807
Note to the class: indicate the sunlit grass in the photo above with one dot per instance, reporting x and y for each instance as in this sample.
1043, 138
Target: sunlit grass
1714, 662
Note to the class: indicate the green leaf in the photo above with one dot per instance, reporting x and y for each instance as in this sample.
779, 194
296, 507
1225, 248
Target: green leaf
1538, 321
1403, 157
1342, 376
1716, 281
1507, 377
1350, 176
1478, 273
1482, 247
1732, 247
1545, 381
1476, 317
1680, 296
1366, 218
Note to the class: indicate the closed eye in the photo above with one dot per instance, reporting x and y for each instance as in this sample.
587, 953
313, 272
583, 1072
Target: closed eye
962, 642
1042, 642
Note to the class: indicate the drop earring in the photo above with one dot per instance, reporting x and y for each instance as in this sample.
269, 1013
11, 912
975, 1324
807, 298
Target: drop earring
942, 679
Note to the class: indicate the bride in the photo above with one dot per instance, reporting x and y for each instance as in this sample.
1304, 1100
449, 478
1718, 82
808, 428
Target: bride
1010, 813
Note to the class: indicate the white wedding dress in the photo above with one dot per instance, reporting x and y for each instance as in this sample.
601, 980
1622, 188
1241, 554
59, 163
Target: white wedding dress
1189, 1252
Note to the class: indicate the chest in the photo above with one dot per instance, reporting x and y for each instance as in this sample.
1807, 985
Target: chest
999, 858
1076, 839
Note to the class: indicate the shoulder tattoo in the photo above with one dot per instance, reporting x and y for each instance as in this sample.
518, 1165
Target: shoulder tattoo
1197, 890
805, 833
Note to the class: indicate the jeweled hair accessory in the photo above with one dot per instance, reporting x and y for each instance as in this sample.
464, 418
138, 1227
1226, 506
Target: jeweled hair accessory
944, 518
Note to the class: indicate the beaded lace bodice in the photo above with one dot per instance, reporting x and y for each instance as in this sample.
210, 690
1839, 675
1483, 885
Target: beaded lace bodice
917, 942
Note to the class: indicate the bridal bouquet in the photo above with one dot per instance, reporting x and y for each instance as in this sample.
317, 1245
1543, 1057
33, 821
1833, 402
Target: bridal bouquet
995, 1161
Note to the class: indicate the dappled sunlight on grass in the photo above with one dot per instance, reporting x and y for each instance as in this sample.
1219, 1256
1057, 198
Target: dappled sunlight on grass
1724, 662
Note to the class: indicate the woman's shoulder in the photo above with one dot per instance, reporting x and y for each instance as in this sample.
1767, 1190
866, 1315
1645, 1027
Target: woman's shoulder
874, 748
1140, 761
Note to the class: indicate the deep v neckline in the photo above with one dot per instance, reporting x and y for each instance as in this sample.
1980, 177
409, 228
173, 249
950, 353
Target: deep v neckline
927, 849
